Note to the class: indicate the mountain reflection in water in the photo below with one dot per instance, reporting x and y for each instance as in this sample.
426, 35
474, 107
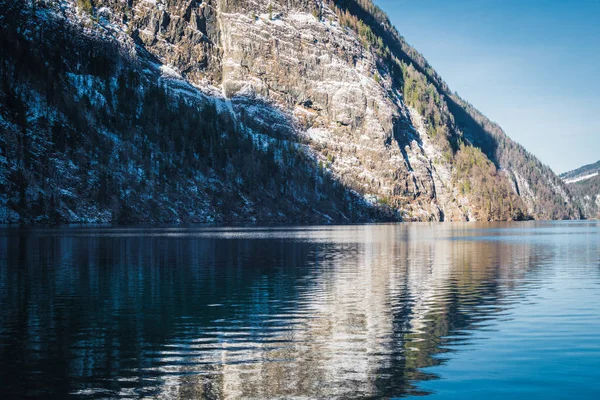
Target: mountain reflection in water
317, 312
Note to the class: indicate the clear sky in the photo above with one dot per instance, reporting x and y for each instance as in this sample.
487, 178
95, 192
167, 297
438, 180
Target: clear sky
532, 66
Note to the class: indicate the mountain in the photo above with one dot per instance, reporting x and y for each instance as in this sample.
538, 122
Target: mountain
584, 183
581, 174
237, 110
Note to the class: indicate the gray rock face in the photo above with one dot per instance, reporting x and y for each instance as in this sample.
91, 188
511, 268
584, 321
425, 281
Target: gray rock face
321, 77
283, 74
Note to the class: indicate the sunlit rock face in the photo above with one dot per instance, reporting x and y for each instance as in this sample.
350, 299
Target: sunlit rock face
288, 77
322, 76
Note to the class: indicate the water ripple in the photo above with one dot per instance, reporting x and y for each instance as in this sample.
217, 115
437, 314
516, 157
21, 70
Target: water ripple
370, 311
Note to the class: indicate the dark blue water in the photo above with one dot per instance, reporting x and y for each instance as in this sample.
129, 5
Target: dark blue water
489, 311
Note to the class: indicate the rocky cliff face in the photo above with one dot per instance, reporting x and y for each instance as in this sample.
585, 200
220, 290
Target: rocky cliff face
217, 110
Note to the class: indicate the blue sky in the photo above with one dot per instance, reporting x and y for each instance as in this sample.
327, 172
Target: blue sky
533, 66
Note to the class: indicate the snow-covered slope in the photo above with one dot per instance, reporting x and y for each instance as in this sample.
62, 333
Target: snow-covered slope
581, 174
584, 183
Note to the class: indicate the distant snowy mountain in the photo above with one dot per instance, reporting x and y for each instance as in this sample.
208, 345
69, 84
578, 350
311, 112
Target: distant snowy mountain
240, 110
581, 174
584, 183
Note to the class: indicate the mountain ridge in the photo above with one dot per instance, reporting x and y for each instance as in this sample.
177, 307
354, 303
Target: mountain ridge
296, 112
581, 172
584, 184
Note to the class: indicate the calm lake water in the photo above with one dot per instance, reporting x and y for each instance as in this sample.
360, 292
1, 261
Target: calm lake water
494, 311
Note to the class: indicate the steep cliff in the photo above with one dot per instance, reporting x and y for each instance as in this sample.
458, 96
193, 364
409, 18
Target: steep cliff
235, 110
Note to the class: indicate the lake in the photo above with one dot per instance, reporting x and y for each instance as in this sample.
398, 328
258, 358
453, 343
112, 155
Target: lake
473, 310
